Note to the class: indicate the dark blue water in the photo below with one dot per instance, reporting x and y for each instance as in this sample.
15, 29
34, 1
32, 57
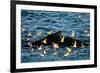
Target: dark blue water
33, 21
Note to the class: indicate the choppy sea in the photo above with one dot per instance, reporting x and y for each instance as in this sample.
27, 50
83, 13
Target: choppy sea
41, 22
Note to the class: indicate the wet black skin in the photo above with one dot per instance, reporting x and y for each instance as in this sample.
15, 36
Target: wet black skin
56, 38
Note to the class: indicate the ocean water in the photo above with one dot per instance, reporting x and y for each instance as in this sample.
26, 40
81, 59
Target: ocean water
36, 24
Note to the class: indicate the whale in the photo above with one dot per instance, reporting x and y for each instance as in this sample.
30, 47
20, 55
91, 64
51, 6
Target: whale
57, 39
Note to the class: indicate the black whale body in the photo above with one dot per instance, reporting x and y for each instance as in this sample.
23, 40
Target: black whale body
56, 38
